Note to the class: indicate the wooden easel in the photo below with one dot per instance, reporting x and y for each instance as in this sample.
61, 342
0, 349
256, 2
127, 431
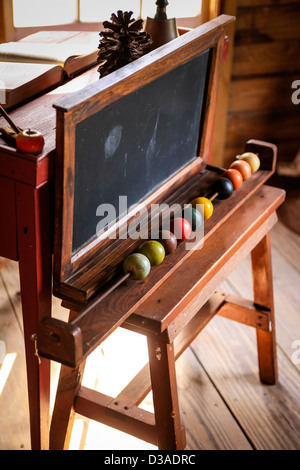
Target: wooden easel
178, 298
168, 336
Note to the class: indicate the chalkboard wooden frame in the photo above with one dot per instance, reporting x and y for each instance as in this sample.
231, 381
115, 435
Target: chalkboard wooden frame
76, 274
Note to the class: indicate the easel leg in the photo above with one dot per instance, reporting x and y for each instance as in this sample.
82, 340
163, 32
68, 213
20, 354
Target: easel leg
165, 398
63, 414
263, 295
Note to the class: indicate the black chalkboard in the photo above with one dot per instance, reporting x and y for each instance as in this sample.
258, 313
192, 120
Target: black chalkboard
134, 145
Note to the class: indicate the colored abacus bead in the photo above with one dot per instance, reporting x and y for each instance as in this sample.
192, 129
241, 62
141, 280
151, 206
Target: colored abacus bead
223, 187
193, 216
154, 251
138, 265
235, 177
208, 207
243, 167
252, 159
181, 228
168, 241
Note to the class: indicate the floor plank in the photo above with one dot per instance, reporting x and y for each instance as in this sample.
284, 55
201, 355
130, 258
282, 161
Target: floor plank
10, 276
209, 423
14, 416
286, 243
269, 415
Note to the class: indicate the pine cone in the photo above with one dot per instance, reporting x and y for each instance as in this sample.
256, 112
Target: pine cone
122, 42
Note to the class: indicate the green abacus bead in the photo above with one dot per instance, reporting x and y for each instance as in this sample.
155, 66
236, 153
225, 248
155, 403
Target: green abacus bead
137, 265
193, 216
154, 251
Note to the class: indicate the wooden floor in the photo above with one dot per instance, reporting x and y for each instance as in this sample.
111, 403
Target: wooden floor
223, 404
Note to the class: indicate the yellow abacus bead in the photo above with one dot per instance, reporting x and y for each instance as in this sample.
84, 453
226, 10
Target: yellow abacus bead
208, 206
252, 159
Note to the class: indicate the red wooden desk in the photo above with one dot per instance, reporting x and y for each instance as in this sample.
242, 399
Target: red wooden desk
26, 203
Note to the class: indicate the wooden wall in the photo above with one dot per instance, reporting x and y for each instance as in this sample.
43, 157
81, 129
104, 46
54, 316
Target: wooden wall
266, 61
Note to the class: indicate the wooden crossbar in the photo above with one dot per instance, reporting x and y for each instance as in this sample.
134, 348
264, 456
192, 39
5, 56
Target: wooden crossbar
246, 312
104, 409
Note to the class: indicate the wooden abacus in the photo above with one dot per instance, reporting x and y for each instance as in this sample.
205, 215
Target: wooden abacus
176, 298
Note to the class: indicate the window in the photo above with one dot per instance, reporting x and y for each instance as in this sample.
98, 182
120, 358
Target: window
34, 13
102, 10
29, 13
143, 8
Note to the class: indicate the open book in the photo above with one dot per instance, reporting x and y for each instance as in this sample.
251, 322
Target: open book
28, 68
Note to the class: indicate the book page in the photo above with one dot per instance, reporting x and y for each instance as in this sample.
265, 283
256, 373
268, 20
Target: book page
13, 75
19, 81
57, 37
43, 52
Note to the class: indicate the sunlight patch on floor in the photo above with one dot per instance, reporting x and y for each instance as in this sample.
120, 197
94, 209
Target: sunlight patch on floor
6, 368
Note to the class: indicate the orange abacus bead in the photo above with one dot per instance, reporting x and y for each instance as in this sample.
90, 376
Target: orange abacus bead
235, 177
243, 167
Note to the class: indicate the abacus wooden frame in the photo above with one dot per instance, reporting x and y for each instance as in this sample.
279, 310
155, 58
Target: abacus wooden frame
70, 269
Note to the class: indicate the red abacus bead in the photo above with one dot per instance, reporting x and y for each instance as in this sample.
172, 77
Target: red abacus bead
181, 228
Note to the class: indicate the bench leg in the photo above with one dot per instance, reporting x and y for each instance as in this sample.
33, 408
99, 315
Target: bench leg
165, 398
263, 295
